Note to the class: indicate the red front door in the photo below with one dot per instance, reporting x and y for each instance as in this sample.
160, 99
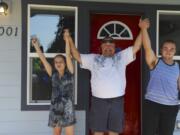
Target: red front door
124, 29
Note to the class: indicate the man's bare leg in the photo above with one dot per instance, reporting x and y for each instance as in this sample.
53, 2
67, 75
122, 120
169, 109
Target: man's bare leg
98, 133
113, 133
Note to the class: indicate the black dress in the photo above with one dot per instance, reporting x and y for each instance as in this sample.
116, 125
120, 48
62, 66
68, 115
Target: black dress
62, 111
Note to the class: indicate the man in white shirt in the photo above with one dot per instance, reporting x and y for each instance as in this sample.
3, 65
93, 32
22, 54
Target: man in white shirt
108, 82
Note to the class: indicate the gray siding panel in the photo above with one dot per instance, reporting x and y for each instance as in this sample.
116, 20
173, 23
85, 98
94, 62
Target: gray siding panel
23, 116
10, 92
33, 123
23, 127
10, 104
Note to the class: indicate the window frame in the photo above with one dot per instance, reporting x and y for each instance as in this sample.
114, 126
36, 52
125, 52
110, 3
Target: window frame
30, 55
115, 23
158, 13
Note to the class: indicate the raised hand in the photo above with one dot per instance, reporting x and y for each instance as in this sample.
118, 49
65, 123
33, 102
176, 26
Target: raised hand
144, 24
150, 56
34, 41
36, 44
66, 34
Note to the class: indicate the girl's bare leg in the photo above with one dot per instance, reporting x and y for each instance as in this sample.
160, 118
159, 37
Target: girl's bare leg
57, 131
69, 130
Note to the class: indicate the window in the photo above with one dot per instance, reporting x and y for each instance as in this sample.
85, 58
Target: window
168, 27
115, 29
47, 24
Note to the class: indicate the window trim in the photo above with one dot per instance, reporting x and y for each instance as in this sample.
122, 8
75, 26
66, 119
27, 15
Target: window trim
31, 55
118, 38
164, 12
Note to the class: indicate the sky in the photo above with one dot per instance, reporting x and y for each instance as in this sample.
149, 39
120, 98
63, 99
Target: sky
44, 28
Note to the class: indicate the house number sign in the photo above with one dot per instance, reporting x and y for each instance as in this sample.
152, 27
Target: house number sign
8, 30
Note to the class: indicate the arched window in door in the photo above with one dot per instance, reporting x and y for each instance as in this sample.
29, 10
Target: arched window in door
115, 29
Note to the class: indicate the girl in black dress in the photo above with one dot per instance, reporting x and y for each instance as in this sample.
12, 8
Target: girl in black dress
62, 113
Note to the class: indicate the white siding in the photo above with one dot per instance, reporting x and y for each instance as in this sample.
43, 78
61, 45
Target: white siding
12, 119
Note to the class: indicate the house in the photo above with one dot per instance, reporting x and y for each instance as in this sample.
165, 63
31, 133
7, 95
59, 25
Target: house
23, 106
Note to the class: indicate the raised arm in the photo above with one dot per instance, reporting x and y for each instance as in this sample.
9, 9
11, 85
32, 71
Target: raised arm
137, 44
68, 54
74, 51
47, 66
150, 56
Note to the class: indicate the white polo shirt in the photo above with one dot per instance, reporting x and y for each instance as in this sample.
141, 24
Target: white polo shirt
108, 74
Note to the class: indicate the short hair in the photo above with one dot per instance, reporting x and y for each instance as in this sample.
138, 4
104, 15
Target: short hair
107, 39
168, 41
